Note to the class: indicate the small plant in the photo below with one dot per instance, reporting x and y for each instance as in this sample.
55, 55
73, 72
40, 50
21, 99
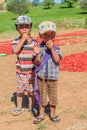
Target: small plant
81, 116
68, 111
41, 126
9, 122
3, 112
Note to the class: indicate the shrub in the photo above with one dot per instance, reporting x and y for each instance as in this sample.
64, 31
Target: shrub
18, 6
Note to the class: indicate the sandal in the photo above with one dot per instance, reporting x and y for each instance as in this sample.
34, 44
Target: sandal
38, 120
55, 119
17, 111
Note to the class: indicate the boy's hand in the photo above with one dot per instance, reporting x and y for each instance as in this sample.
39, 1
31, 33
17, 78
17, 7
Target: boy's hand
49, 44
37, 49
25, 36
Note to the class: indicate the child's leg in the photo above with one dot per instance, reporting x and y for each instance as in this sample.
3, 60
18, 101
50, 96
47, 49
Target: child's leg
53, 117
20, 91
18, 110
52, 111
40, 118
31, 101
19, 100
41, 111
52, 91
42, 89
31, 104
53, 101
21, 79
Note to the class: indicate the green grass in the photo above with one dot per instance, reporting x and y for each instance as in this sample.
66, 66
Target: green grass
39, 14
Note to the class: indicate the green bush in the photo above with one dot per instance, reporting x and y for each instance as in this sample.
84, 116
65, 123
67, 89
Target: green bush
18, 6
83, 4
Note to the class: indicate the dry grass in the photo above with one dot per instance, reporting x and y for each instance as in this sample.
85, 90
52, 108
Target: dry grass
77, 126
8, 35
74, 48
11, 35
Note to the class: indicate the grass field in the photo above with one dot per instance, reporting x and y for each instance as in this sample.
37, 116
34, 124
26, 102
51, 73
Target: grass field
57, 13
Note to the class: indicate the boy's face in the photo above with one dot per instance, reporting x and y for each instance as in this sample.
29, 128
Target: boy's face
24, 28
50, 35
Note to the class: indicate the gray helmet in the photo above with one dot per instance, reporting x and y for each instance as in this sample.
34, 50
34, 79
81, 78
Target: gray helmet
23, 20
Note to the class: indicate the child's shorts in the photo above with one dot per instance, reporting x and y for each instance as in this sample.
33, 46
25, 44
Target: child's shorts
48, 88
24, 83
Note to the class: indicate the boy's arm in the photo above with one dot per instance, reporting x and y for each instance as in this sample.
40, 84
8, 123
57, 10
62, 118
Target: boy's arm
37, 50
37, 59
18, 47
55, 56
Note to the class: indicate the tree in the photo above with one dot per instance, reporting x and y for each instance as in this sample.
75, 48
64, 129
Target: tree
69, 2
18, 6
48, 3
83, 4
35, 2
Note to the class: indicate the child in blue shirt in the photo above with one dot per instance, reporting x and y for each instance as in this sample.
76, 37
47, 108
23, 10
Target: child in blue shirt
48, 75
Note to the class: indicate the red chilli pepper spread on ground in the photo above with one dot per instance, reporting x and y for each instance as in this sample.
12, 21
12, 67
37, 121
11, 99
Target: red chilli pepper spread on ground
73, 62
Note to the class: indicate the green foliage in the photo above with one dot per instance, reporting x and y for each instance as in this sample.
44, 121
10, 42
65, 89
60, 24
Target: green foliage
83, 4
48, 3
85, 23
42, 126
38, 14
35, 2
18, 6
69, 2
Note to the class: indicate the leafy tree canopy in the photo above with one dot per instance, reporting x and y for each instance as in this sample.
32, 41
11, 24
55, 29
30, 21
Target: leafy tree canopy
18, 6
83, 4
35, 2
69, 2
48, 3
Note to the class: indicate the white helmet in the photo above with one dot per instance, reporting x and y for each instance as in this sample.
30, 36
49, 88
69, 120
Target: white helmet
47, 26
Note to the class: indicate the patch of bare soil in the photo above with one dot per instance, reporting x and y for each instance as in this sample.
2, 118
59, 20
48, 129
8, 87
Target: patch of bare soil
72, 96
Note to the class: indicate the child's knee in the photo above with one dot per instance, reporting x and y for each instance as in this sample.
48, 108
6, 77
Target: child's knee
31, 94
20, 94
